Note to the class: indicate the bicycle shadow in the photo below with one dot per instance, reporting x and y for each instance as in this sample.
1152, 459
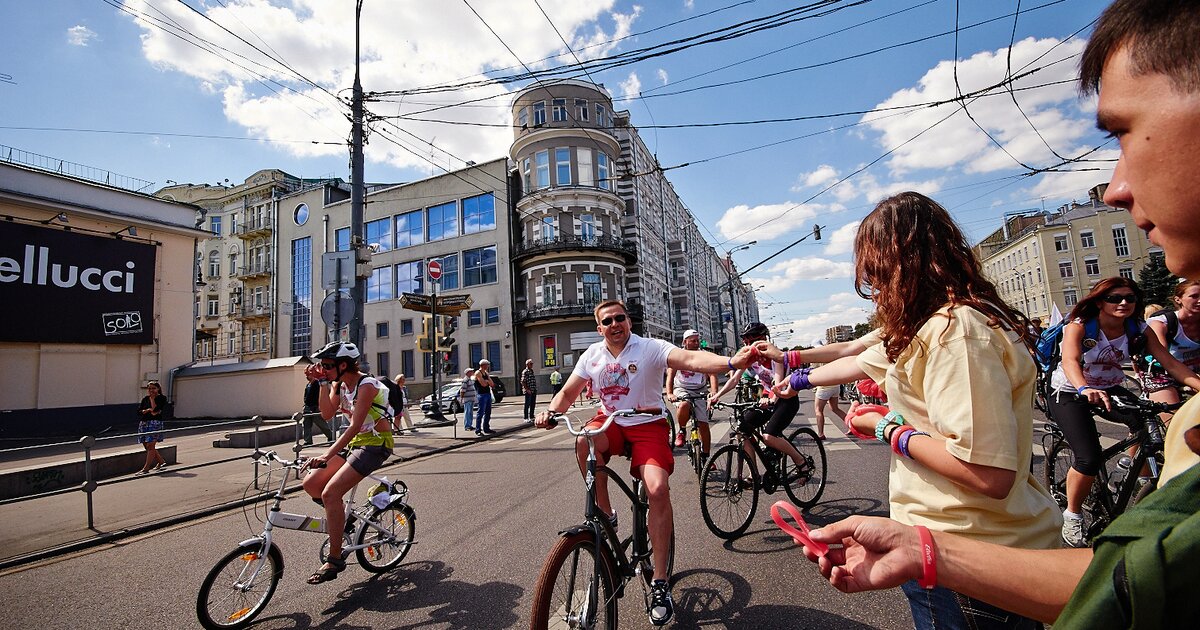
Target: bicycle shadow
710, 597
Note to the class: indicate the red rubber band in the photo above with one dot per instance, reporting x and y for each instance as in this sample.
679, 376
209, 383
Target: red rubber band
895, 439
799, 534
858, 410
928, 578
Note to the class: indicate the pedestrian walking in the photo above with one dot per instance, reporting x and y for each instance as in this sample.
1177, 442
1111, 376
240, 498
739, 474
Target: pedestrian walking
312, 413
150, 426
529, 388
483, 394
467, 396
556, 382
401, 415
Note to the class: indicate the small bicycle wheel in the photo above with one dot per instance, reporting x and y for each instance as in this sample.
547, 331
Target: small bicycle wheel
697, 457
805, 484
386, 547
1058, 460
729, 491
574, 590
237, 589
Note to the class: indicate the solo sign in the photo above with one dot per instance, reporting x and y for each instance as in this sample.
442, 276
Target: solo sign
64, 287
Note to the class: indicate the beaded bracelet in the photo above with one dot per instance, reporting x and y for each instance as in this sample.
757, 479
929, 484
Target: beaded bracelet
928, 577
902, 443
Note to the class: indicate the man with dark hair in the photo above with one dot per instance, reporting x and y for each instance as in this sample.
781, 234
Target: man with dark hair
1144, 61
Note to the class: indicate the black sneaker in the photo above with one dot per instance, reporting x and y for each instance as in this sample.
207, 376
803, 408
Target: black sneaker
662, 608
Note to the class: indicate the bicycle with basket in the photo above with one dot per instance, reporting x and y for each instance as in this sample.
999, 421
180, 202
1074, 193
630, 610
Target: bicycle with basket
379, 532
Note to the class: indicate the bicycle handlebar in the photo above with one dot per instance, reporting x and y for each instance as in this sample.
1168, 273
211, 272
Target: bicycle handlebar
734, 405
272, 456
585, 432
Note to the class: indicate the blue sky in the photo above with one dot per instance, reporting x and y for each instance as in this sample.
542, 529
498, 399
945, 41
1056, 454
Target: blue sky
159, 108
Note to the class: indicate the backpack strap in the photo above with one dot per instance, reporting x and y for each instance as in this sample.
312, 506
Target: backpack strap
1172, 326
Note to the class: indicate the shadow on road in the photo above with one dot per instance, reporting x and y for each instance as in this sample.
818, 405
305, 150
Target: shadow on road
722, 598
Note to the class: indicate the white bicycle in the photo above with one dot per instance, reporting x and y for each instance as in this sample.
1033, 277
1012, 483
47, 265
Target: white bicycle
238, 588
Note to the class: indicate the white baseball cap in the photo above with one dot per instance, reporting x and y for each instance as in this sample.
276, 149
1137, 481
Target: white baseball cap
690, 333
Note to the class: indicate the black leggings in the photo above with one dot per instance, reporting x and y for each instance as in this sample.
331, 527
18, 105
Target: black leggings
1073, 414
774, 419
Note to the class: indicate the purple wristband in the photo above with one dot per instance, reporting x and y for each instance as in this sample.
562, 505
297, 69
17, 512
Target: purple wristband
902, 442
799, 379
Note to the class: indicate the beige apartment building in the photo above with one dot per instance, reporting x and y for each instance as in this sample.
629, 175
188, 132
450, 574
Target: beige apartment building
1042, 260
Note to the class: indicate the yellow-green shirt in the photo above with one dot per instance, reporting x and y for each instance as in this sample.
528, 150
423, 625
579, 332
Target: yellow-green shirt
379, 409
1178, 457
971, 386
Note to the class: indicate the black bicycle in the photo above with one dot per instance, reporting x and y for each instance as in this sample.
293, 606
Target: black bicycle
590, 565
695, 447
730, 481
1117, 485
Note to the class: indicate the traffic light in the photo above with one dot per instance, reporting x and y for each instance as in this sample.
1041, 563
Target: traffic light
445, 341
816, 232
448, 365
449, 324
423, 344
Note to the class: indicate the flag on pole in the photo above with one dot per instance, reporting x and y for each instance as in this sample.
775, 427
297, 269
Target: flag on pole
1055, 316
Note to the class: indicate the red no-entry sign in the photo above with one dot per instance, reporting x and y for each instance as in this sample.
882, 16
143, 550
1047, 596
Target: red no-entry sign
435, 270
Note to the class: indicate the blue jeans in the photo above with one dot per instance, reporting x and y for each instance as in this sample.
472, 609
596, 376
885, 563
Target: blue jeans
468, 410
943, 608
483, 417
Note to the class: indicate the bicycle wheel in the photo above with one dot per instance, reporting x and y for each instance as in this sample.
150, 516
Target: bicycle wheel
1058, 460
729, 491
387, 547
232, 595
573, 590
805, 486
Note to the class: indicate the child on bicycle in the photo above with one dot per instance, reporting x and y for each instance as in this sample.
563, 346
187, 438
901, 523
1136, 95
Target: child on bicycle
681, 384
365, 445
627, 371
954, 363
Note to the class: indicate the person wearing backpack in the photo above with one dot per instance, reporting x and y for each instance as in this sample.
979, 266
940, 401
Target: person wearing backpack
1178, 329
1104, 331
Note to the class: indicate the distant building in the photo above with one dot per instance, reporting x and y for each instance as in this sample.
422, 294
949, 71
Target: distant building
838, 334
1044, 259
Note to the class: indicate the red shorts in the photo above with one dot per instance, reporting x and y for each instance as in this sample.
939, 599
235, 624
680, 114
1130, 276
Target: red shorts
642, 443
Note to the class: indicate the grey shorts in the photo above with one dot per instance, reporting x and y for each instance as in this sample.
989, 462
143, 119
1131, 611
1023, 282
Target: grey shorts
367, 459
699, 407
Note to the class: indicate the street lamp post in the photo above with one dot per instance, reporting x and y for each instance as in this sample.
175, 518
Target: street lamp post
1024, 295
732, 300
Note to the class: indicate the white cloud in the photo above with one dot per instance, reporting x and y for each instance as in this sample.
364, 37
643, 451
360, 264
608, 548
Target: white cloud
632, 86
787, 273
662, 76
80, 35
840, 309
689, 4
404, 46
957, 142
841, 240
742, 223
824, 174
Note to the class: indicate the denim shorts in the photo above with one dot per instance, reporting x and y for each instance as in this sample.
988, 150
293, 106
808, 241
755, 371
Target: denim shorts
367, 459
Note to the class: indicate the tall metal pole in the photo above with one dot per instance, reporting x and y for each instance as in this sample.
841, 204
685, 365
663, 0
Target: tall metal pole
732, 302
357, 188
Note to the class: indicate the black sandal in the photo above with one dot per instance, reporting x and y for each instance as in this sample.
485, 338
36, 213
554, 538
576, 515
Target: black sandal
337, 565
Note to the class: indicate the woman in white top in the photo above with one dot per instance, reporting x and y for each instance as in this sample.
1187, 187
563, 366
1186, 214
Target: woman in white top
1178, 331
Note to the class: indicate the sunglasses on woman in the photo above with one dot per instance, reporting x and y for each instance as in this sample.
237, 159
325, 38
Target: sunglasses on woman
1117, 298
608, 321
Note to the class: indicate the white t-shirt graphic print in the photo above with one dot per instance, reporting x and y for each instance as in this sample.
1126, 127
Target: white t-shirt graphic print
631, 380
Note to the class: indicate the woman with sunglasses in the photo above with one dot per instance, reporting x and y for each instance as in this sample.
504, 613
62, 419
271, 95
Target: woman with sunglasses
365, 444
1090, 373
150, 426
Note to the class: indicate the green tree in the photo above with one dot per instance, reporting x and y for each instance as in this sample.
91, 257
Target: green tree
861, 329
1157, 282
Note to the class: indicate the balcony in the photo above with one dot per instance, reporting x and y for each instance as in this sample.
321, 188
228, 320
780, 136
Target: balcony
622, 246
569, 310
255, 269
251, 311
258, 227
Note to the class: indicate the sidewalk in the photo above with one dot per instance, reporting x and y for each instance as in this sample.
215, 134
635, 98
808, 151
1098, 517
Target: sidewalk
193, 488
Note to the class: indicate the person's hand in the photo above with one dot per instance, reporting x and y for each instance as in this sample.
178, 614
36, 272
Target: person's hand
543, 420
314, 372
768, 350
1097, 397
671, 397
784, 389
865, 422
876, 553
315, 462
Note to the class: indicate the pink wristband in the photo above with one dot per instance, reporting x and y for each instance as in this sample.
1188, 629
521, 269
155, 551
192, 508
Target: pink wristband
928, 578
895, 439
860, 409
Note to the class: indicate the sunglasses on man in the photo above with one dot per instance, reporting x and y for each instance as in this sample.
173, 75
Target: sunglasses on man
608, 321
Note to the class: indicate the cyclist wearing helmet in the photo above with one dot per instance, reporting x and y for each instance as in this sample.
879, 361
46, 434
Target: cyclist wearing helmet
365, 444
781, 410
684, 383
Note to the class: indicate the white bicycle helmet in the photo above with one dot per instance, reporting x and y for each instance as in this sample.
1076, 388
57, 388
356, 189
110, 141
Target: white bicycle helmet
338, 350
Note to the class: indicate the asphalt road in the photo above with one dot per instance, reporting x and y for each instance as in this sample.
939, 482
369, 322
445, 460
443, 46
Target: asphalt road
487, 515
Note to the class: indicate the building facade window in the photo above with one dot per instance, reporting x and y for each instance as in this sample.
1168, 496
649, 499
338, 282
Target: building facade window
581, 109
381, 330
479, 266
479, 213
583, 158
548, 229
341, 239
601, 116
214, 265
539, 113
214, 306
587, 227
474, 318
1060, 243
1120, 242
1066, 269
1087, 240
442, 220
1069, 297
602, 170
406, 327
1039, 274
476, 352
559, 110
591, 288
1126, 272
449, 272
491, 315
410, 277
494, 356
410, 229
549, 290
523, 117
302, 294
383, 366
541, 161
562, 167
1091, 266
526, 175
407, 366
379, 285
214, 225
379, 232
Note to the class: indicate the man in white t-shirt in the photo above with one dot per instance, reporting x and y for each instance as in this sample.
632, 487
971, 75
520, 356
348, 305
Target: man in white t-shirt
627, 372
683, 384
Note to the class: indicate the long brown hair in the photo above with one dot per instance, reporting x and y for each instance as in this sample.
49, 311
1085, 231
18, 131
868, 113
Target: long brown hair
1089, 306
912, 259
